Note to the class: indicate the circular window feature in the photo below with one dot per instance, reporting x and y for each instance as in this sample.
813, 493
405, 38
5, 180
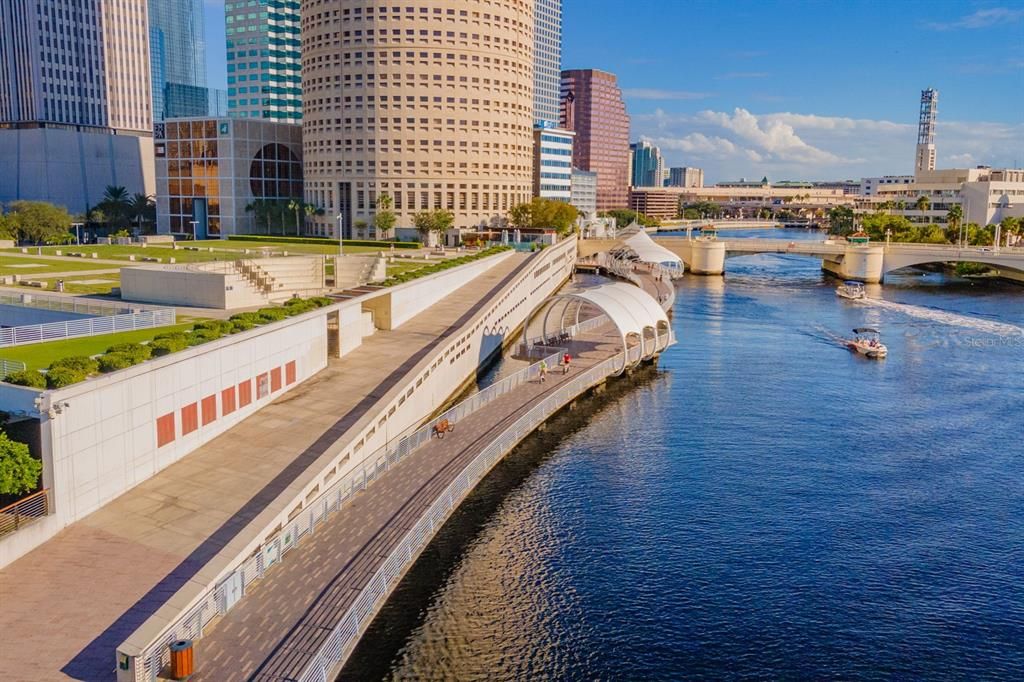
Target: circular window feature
275, 173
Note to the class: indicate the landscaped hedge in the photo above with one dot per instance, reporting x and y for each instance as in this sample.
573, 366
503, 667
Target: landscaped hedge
73, 369
321, 241
410, 275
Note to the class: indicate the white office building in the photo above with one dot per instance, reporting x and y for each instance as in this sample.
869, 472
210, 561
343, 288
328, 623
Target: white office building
552, 163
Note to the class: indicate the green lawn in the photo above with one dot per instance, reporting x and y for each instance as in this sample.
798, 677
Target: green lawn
324, 249
8, 266
86, 284
121, 253
40, 355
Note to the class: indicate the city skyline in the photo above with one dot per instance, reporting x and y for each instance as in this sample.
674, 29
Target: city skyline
730, 98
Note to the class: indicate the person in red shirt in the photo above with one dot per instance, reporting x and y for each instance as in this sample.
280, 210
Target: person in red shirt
566, 359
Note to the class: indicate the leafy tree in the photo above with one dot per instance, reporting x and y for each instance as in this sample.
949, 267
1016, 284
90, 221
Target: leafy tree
624, 217
19, 470
841, 220
39, 221
705, 209
428, 221
545, 213
8, 228
384, 219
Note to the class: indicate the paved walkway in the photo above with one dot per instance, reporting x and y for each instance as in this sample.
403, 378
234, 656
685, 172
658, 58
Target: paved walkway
69, 603
276, 629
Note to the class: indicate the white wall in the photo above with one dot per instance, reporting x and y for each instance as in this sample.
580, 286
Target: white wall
104, 441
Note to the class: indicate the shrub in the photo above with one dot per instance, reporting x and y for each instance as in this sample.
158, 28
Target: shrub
241, 325
198, 336
299, 308
252, 318
222, 326
321, 301
322, 241
272, 314
64, 376
27, 377
111, 362
136, 351
166, 344
19, 470
79, 363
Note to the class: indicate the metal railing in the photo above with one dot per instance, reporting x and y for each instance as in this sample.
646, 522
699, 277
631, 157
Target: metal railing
218, 600
73, 304
24, 511
90, 326
10, 367
354, 622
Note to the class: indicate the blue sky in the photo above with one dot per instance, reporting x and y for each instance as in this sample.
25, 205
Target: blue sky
798, 90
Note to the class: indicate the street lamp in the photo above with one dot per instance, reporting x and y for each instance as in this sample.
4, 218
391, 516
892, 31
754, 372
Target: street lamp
193, 223
78, 238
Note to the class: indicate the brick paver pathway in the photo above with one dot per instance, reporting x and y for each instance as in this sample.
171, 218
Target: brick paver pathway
68, 604
279, 625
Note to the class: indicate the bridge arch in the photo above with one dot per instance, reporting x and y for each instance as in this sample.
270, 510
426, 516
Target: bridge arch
994, 259
639, 320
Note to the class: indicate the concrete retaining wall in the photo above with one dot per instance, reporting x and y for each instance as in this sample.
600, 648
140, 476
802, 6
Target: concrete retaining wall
16, 316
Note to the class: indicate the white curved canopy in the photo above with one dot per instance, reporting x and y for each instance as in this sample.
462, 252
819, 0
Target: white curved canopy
650, 251
632, 310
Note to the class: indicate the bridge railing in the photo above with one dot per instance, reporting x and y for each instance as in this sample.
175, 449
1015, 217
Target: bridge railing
221, 598
343, 638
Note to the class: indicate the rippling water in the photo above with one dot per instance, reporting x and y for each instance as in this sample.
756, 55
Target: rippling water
766, 505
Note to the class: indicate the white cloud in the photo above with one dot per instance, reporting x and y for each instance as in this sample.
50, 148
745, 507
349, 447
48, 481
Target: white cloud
982, 18
792, 145
657, 94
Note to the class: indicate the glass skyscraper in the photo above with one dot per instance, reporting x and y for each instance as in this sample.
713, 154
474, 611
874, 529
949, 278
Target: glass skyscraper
547, 61
264, 59
177, 45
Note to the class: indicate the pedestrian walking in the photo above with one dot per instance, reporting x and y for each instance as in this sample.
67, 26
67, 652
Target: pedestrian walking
543, 370
566, 359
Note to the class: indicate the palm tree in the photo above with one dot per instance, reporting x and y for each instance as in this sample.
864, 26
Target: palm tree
115, 205
297, 206
260, 210
923, 203
141, 207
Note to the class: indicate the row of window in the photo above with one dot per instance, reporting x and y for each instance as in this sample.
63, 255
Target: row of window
205, 412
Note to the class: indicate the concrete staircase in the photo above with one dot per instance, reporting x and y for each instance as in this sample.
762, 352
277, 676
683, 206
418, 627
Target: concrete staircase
357, 270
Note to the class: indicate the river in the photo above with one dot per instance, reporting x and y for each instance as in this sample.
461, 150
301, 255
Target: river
765, 505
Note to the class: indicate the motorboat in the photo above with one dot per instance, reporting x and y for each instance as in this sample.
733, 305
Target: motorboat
868, 343
851, 290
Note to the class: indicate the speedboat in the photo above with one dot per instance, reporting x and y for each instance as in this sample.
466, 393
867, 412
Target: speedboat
868, 343
851, 290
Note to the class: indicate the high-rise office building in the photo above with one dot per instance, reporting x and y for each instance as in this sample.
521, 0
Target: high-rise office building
438, 116
177, 44
647, 165
685, 176
552, 164
75, 100
925, 158
264, 59
593, 108
547, 61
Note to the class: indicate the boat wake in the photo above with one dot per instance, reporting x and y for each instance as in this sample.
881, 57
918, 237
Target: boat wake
947, 318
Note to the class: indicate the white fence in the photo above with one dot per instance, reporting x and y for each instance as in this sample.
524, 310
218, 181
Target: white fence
10, 367
90, 326
219, 600
109, 317
350, 627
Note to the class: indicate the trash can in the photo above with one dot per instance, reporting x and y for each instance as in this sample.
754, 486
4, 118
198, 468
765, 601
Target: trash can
181, 659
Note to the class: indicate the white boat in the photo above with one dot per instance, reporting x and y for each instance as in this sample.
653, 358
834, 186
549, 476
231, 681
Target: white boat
868, 343
851, 290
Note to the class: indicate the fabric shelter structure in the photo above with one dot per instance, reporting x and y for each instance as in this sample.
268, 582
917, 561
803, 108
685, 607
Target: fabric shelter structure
636, 240
638, 318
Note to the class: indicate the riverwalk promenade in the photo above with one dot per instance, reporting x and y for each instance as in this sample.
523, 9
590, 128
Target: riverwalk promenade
275, 632
72, 601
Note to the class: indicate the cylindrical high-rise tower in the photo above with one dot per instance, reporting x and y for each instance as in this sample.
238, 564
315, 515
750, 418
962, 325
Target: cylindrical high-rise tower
427, 101
925, 160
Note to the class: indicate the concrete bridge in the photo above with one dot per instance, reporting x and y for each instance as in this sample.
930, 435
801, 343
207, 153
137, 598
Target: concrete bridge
863, 262
723, 224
